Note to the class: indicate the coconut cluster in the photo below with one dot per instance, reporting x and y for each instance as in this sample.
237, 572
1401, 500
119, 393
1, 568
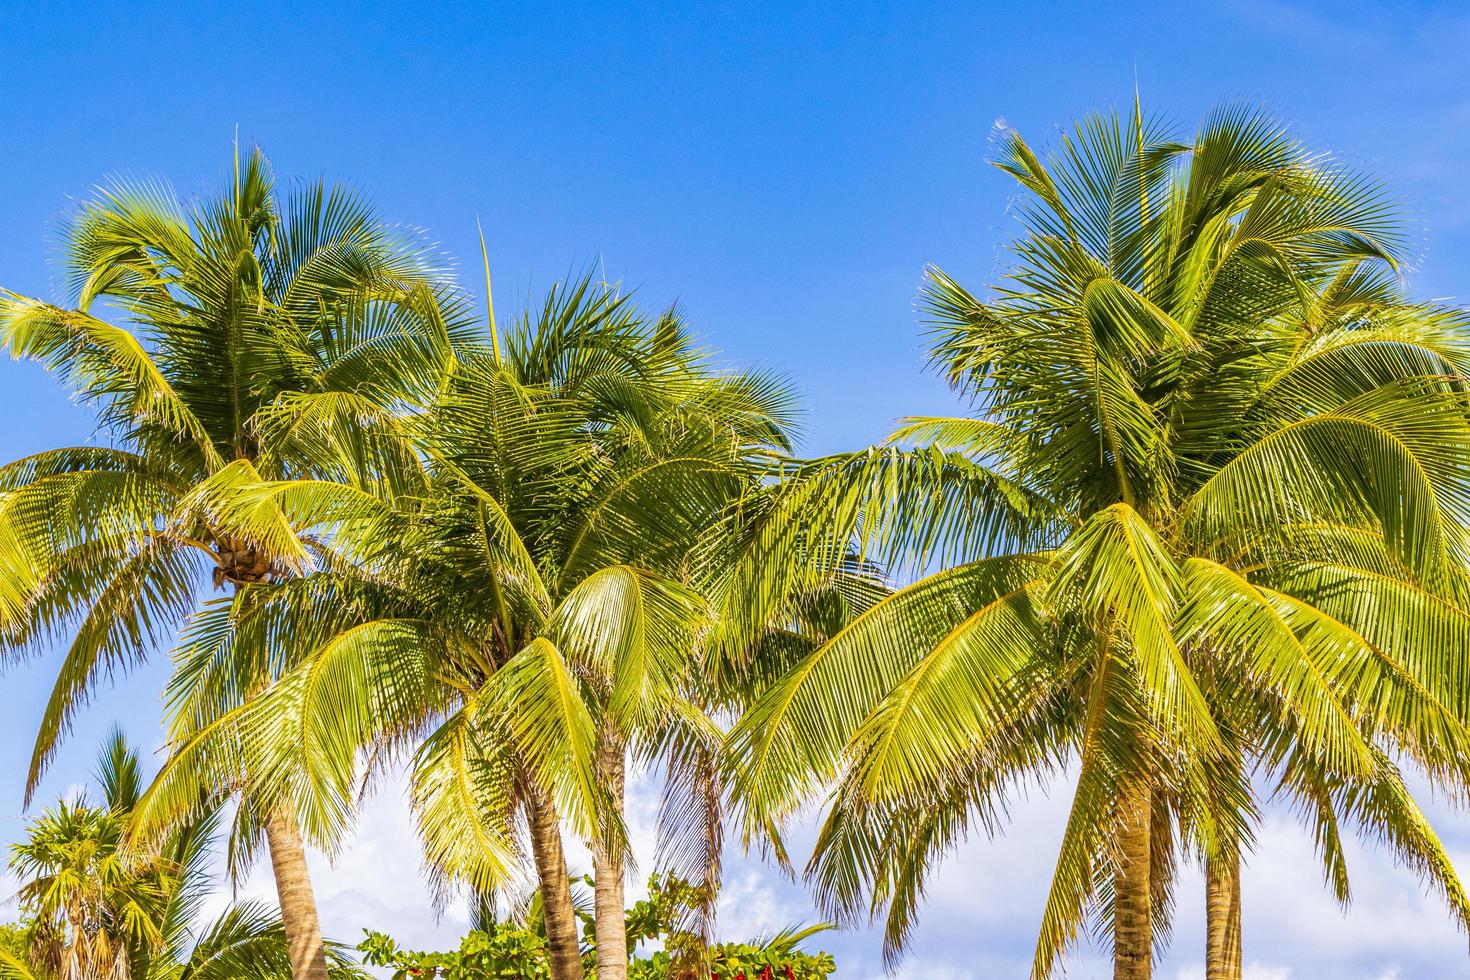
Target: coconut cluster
241, 564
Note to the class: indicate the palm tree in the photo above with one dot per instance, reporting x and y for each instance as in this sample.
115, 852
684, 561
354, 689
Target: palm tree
526, 618
99, 911
1225, 535
261, 335
92, 909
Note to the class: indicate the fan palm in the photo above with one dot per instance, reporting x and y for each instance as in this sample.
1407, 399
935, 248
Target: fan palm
100, 911
1226, 535
92, 909
262, 335
542, 598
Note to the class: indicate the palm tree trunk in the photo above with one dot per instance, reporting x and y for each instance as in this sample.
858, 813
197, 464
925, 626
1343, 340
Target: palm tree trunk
293, 891
563, 947
1133, 937
1222, 914
608, 867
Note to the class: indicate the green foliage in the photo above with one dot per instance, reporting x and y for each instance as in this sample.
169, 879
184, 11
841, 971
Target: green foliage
1207, 532
729, 961
13, 937
502, 952
15, 949
510, 951
661, 916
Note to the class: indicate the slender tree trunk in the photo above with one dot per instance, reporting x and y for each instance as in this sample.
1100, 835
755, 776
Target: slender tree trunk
293, 891
1133, 937
288, 861
1222, 914
608, 867
563, 946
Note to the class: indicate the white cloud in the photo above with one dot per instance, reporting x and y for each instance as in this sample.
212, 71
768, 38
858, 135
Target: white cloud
9, 909
1254, 971
1251, 971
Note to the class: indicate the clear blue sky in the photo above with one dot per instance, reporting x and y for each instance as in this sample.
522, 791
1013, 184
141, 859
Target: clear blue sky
784, 170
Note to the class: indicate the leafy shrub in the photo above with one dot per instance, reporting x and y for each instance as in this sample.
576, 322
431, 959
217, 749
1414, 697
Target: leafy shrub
517, 951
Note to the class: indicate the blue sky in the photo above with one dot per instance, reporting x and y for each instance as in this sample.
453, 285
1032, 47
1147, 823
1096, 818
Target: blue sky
785, 171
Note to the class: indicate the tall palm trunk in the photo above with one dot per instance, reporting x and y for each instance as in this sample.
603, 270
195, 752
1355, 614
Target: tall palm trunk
563, 946
1222, 914
288, 851
1133, 937
293, 891
608, 866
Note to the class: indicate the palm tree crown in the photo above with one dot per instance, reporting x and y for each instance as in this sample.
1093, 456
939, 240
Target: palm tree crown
260, 334
263, 336
1232, 529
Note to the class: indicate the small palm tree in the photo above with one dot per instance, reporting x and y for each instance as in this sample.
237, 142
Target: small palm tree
98, 911
1215, 527
91, 908
260, 335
